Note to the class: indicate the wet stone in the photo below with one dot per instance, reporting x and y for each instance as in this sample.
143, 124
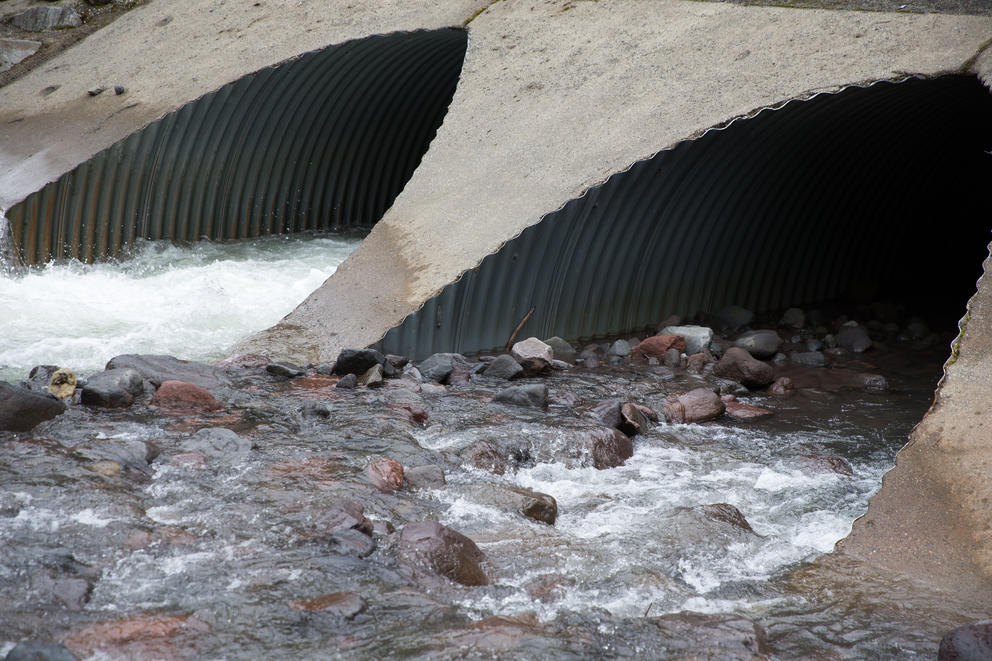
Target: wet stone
875, 383
782, 386
347, 382
342, 604
603, 447
244, 361
762, 344
285, 370
320, 410
485, 456
425, 477
738, 365
182, 397
347, 515
503, 367
39, 652
444, 551
853, 338
561, 349
39, 377
808, 358
160, 368
619, 348
357, 361
385, 474
672, 359
217, 443
531, 395
971, 642
745, 412
632, 420
372, 378
113, 388
533, 355
439, 366
21, 410
698, 405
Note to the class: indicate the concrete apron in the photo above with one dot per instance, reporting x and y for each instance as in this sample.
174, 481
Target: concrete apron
553, 98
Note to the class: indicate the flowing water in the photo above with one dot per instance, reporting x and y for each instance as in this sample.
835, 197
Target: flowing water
106, 517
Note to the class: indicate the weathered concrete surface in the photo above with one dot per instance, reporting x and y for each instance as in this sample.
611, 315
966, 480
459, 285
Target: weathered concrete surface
167, 54
932, 518
556, 96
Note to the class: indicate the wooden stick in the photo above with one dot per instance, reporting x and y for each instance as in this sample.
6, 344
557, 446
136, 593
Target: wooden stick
517, 329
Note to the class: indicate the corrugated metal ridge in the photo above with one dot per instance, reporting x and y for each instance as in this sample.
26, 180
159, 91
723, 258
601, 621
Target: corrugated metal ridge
325, 141
788, 206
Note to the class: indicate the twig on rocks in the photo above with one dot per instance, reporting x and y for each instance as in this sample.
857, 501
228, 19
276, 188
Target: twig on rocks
516, 330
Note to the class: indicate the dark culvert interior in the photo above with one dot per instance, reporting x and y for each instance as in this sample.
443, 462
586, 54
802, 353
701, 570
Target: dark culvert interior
869, 194
324, 142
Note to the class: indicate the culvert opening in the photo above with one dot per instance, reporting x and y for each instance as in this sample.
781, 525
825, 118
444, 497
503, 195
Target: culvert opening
869, 194
324, 142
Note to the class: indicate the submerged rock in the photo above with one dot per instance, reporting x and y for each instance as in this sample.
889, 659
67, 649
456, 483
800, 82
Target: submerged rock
604, 447
342, 604
21, 409
534, 395
39, 652
485, 456
181, 397
698, 405
443, 551
745, 412
217, 443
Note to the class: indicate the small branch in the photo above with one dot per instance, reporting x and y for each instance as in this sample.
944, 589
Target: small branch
516, 330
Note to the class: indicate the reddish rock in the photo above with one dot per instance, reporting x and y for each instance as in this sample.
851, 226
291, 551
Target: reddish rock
738, 365
189, 460
140, 637
648, 412
244, 361
697, 361
745, 412
343, 604
606, 447
385, 473
656, 347
782, 386
443, 551
182, 397
412, 413
697, 405
486, 456
632, 421
533, 355
348, 515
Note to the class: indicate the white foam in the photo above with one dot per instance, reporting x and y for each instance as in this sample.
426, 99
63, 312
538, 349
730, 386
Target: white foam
88, 517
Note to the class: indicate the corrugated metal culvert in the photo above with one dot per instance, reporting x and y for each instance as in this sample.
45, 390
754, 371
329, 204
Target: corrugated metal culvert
886, 184
323, 142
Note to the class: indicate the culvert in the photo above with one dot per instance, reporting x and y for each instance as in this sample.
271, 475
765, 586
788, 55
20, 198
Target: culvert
323, 142
877, 190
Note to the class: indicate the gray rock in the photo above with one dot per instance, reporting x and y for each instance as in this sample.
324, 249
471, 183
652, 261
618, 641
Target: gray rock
607, 412
316, 410
672, 359
39, 377
853, 338
486, 456
971, 642
533, 355
561, 349
732, 318
440, 366
351, 542
133, 454
604, 447
347, 382
21, 409
39, 652
534, 505
809, 358
13, 51
875, 383
159, 368
217, 443
357, 361
287, 370
738, 365
114, 388
504, 367
425, 477
39, 19
697, 338
560, 365
325, 369
619, 348
534, 395
793, 318
372, 378
762, 344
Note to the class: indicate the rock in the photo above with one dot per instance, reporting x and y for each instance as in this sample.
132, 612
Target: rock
137, 637
245, 361
13, 51
607, 412
732, 318
443, 551
809, 358
632, 421
39, 19
425, 477
793, 318
533, 355
761, 344
782, 386
181, 397
372, 378
440, 366
875, 383
351, 542
217, 443
697, 362
485, 456
853, 338
114, 388
326, 369
697, 405
348, 515
534, 505
385, 474
656, 347
347, 382
738, 365
39, 377
357, 361
605, 447
697, 338
619, 348
672, 359
561, 349
648, 412
287, 370
719, 523
316, 410
828, 463
133, 454
21, 409
814, 345
39, 651
504, 367
745, 412
971, 642
159, 369
62, 384
534, 395
560, 365
412, 413
342, 604
728, 387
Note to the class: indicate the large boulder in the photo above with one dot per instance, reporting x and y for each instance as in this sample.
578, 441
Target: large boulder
761, 344
533, 355
21, 409
114, 388
443, 551
159, 368
699, 405
534, 395
738, 365
656, 346
440, 366
357, 361
697, 338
